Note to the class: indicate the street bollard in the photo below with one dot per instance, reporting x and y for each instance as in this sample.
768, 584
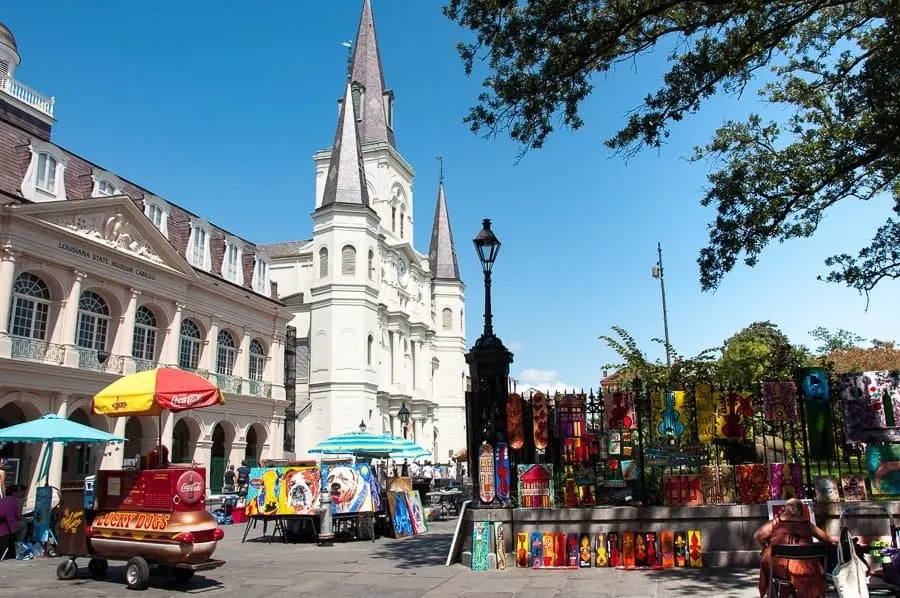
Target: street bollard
326, 531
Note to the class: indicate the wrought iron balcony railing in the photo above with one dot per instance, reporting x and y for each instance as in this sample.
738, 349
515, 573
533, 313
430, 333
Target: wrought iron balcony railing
37, 350
89, 359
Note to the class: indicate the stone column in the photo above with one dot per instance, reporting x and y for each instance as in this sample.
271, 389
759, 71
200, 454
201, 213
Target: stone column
168, 429
242, 361
236, 456
427, 439
70, 317
392, 341
203, 456
169, 354
114, 454
61, 406
125, 338
208, 359
7, 276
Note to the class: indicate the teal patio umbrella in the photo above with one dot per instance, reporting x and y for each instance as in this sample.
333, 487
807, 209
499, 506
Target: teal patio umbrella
355, 443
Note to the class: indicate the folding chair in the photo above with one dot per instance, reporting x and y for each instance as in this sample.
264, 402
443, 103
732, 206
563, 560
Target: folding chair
818, 551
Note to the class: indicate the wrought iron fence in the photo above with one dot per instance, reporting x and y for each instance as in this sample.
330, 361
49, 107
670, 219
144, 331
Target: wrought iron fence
815, 439
37, 350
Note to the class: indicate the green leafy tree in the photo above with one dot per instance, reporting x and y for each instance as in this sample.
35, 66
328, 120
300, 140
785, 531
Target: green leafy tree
759, 352
834, 77
839, 340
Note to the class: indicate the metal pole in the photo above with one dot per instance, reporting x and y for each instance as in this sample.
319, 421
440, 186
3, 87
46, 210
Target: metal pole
488, 316
662, 288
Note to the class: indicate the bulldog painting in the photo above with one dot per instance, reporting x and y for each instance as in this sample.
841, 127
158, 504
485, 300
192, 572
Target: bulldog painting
350, 491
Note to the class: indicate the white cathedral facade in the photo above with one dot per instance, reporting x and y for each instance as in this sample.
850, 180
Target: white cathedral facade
379, 325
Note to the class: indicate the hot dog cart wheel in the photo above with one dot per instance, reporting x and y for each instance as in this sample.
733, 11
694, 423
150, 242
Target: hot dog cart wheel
67, 570
98, 567
137, 573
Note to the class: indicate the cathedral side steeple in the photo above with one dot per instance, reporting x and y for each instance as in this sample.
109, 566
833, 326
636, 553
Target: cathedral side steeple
374, 102
346, 180
442, 253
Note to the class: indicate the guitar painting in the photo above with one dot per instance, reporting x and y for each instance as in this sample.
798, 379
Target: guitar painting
671, 425
501, 471
515, 428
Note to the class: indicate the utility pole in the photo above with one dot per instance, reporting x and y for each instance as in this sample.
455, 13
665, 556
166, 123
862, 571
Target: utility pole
658, 273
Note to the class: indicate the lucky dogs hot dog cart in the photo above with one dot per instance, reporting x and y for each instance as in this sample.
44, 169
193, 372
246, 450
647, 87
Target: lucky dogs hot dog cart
154, 516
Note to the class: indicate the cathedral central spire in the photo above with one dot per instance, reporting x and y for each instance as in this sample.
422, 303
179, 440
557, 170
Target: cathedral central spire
376, 103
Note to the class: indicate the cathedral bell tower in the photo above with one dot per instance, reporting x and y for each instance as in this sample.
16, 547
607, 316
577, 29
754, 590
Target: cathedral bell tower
344, 291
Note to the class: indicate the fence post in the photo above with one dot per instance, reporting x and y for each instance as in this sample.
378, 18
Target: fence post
638, 401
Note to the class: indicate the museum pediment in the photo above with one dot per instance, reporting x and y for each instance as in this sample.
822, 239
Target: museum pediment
114, 222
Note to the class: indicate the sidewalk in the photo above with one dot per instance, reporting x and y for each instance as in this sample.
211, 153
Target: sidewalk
408, 568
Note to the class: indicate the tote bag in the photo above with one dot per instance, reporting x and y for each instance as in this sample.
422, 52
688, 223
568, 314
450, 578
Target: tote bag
849, 576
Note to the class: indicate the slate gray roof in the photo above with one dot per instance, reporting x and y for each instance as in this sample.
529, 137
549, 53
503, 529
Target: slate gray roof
7, 38
346, 180
285, 249
366, 70
442, 253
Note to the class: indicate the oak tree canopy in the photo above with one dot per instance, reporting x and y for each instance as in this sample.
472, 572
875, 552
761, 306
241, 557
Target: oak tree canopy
833, 72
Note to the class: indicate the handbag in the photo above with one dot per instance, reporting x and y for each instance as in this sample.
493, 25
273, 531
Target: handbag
850, 579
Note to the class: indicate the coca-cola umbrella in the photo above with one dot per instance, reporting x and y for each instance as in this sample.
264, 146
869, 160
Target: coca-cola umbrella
154, 391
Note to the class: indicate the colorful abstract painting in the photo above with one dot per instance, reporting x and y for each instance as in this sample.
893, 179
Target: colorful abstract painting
752, 483
883, 465
401, 519
854, 488
706, 413
682, 490
780, 401
816, 395
416, 512
351, 488
292, 490
481, 544
786, 480
826, 489
733, 413
619, 409
718, 484
535, 486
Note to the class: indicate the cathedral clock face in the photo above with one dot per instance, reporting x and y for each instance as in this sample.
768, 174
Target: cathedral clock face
402, 272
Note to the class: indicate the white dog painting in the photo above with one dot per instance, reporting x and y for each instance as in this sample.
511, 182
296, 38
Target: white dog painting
350, 492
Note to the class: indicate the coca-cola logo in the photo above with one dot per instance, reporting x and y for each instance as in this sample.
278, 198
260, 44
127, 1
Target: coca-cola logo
186, 401
190, 487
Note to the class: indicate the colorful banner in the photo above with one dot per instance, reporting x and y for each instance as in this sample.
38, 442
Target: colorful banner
733, 413
816, 393
780, 401
706, 413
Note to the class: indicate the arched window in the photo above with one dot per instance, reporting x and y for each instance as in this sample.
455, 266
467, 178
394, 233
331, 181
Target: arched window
393, 219
348, 260
93, 321
257, 360
46, 173
323, 262
31, 307
462, 321
225, 353
145, 326
189, 346
402, 220
447, 318
369, 342
371, 265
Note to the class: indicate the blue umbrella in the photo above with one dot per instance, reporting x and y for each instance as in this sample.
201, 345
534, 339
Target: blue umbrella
52, 428
407, 449
355, 442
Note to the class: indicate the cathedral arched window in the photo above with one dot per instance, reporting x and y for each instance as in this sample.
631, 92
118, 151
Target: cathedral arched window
447, 318
371, 265
393, 219
402, 220
348, 260
369, 342
323, 262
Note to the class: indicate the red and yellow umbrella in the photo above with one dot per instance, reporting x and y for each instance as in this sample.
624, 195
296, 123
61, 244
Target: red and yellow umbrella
154, 391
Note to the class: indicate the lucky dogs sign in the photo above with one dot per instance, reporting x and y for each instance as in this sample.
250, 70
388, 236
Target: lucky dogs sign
132, 521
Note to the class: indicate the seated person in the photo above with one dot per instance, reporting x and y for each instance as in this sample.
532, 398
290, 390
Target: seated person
791, 527
11, 509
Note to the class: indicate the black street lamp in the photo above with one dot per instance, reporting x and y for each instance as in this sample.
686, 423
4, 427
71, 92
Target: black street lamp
362, 426
403, 414
489, 362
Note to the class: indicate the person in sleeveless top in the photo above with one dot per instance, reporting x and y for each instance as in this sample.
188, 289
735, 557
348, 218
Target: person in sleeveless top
791, 527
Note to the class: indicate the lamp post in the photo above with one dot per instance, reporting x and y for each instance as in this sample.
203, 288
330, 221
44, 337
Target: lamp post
489, 362
658, 274
362, 426
403, 414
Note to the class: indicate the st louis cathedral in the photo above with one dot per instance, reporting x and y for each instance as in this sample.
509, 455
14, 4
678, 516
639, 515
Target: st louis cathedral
379, 325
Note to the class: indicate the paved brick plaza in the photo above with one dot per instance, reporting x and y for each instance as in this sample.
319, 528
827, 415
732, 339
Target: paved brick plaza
408, 568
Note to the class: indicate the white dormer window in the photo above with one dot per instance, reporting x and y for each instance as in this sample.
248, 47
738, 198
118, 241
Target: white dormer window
261, 274
232, 261
44, 179
105, 183
198, 253
157, 211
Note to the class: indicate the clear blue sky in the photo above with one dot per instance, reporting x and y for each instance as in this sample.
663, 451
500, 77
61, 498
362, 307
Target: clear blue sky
219, 105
